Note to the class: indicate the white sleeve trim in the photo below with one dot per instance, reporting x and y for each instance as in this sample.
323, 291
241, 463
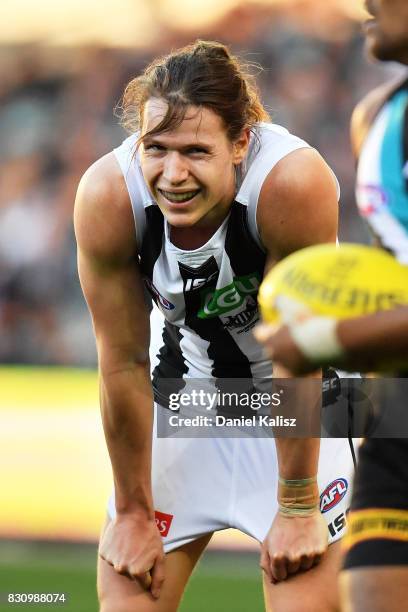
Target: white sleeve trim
140, 197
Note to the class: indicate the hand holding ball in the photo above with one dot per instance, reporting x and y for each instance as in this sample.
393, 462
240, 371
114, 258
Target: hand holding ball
315, 287
341, 282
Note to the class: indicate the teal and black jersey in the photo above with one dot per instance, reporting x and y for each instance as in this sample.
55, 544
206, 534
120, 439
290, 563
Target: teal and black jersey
382, 177
379, 488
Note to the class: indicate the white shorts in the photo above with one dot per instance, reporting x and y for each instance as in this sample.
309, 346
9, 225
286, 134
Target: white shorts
201, 485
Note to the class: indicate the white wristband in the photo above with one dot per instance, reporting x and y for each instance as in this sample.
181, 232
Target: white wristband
317, 339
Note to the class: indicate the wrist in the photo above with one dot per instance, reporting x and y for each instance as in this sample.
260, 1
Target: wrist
140, 505
136, 514
317, 339
298, 497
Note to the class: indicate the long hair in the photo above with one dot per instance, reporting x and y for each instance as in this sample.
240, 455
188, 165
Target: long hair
202, 74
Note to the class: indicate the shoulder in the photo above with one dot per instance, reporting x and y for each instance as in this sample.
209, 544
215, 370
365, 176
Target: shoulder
298, 203
273, 140
103, 217
302, 170
367, 109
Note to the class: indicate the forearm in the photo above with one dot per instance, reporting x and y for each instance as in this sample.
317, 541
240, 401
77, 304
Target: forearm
298, 492
127, 415
297, 457
376, 341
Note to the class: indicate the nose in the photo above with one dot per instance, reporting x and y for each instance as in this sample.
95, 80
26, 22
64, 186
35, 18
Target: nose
175, 170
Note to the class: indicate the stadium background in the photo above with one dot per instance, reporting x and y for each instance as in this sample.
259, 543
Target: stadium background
62, 69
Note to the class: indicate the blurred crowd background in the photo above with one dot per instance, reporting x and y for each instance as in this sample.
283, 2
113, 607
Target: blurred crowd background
56, 118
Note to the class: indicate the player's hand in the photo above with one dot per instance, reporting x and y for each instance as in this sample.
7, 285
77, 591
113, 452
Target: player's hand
134, 548
282, 349
293, 544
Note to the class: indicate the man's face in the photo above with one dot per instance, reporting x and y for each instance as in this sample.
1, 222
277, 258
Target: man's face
387, 30
190, 170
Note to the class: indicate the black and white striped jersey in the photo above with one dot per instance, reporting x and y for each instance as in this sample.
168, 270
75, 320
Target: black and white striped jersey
208, 296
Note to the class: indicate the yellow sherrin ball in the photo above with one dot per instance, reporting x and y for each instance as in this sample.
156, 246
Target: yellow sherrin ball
338, 281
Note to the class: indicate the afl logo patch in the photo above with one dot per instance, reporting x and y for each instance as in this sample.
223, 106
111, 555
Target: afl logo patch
333, 494
160, 300
371, 199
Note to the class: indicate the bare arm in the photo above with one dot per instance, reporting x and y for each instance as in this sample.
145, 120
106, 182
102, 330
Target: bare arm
372, 343
377, 342
112, 285
297, 208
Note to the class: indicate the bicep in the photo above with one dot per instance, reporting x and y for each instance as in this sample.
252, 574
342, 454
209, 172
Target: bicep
115, 298
298, 205
108, 268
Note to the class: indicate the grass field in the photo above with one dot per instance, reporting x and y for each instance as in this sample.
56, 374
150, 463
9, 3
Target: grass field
223, 581
58, 478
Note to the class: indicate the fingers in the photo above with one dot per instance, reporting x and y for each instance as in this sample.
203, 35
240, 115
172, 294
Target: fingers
318, 558
294, 565
157, 574
306, 562
151, 580
265, 564
144, 578
279, 566
291, 310
264, 331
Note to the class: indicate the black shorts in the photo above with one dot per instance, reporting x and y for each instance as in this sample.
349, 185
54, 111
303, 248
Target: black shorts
378, 520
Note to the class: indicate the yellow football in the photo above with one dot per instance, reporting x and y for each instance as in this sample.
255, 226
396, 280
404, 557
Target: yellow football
339, 281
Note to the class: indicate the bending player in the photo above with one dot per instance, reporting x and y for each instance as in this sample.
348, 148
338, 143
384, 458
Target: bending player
194, 204
375, 576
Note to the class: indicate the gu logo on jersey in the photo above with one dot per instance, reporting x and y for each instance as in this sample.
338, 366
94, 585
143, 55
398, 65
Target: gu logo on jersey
156, 295
333, 494
220, 301
163, 522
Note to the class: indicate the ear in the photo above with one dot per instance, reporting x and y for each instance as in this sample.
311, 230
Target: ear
240, 147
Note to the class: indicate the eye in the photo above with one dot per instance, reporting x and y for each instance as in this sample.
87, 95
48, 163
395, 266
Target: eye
196, 151
154, 148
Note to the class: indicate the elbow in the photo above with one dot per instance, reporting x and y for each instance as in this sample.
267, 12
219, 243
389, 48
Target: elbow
117, 362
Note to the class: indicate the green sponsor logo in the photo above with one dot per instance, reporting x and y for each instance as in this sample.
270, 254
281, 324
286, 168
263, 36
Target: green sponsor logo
220, 301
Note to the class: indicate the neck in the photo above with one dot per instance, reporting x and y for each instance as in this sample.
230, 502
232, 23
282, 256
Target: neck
190, 238
194, 236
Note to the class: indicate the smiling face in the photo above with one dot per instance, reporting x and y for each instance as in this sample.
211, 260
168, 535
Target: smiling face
190, 170
387, 31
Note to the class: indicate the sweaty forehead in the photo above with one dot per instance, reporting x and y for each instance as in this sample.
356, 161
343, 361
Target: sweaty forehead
199, 123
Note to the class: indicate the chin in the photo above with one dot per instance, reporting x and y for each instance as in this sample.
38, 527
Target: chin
381, 50
181, 220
